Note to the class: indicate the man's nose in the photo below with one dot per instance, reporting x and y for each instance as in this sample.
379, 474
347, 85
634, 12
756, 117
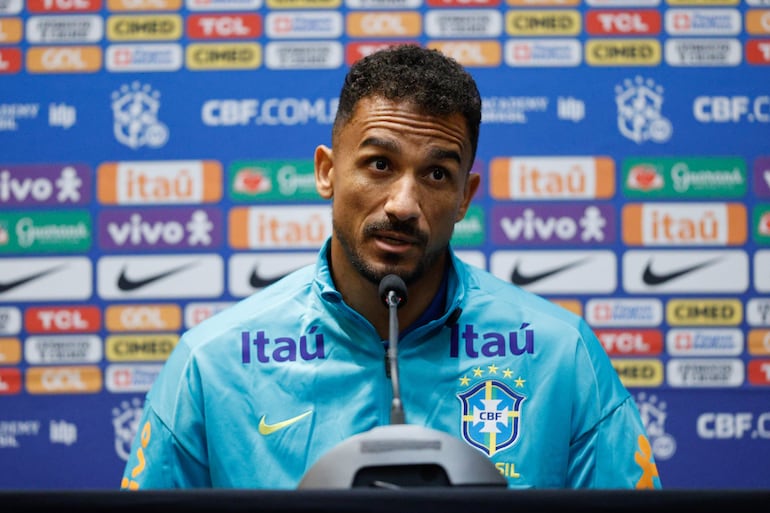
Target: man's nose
403, 198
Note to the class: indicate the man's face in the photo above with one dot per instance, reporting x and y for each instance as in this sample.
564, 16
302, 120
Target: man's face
399, 182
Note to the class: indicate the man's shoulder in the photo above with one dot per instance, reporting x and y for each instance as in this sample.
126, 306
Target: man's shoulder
481, 282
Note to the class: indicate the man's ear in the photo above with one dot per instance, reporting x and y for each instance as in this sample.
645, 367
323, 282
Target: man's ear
471, 185
324, 168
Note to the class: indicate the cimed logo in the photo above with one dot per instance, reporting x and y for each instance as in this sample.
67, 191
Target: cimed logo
490, 418
135, 117
640, 103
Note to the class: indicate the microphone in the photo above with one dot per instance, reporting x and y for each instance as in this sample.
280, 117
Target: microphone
393, 293
400, 455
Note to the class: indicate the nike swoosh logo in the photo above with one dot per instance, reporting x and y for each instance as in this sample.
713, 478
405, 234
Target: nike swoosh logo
127, 284
258, 282
651, 278
268, 429
5, 287
522, 279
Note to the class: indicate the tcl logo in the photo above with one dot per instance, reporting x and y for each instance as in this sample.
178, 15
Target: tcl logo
10, 381
77, 319
619, 22
356, 51
631, 342
10, 60
208, 26
63, 6
758, 51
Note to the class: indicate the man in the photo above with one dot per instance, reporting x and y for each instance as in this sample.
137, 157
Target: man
253, 396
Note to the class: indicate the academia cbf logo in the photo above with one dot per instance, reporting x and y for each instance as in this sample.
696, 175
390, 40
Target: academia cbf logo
491, 413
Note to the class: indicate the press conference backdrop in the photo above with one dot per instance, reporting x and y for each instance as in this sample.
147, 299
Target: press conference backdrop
156, 166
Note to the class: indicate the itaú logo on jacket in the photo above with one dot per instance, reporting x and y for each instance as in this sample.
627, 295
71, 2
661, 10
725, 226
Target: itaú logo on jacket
491, 343
491, 414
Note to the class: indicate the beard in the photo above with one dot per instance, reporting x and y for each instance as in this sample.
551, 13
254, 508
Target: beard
394, 264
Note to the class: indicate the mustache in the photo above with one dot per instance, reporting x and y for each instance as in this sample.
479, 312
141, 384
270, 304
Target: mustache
406, 228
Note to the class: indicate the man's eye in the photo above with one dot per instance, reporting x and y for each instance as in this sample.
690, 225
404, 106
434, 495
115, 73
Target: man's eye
380, 164
438, 174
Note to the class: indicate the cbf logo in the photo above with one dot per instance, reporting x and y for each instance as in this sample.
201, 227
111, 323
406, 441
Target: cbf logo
125, 422
640, 102
490, 420
135, 117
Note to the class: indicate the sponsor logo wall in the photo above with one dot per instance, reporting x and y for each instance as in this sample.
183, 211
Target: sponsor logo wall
156, 166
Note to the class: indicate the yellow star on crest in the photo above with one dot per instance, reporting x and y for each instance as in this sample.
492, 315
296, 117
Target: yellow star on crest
507, 373
464, 381
492, 369
477, 372
520, 382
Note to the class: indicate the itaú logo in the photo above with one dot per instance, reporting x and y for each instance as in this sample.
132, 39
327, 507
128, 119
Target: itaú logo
493, 343
282, 348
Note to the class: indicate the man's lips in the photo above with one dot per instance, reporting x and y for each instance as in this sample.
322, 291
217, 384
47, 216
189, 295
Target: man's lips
395, 242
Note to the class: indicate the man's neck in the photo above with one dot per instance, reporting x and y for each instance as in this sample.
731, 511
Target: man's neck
363, 295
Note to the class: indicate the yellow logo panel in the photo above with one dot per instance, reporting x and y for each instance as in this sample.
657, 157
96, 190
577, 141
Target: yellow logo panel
166, 27
623, 52
704, 312
155, 348
223, 56
543, 23
642, 372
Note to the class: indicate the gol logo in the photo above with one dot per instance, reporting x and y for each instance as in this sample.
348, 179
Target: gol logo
163, 317
758, 21
143, 5
10, 351
64, 380
573, 305
60, 59
471, 53
384, 24
10, 30
759, 342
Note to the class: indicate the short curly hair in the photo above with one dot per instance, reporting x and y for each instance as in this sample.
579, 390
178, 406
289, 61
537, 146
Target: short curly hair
426, 78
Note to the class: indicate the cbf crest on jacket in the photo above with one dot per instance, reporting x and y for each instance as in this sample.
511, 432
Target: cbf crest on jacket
255, 395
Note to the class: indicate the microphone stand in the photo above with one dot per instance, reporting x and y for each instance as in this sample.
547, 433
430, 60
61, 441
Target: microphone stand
397, 415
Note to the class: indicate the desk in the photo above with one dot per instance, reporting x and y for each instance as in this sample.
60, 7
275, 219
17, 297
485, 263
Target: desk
413, 500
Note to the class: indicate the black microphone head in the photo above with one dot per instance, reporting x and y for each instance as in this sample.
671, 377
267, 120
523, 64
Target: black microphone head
393, 283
